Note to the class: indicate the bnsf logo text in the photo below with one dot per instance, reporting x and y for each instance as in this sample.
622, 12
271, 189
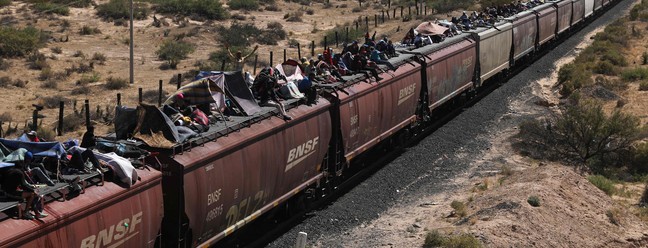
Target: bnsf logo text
121, 232
300, 153
406, 93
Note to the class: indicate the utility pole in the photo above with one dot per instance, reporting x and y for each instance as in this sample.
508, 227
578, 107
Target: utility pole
132, 77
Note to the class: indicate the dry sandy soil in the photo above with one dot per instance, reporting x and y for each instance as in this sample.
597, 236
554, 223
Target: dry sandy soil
573, 212
113, 43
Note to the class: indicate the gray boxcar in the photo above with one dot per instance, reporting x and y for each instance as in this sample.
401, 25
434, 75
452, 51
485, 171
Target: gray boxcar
494, 49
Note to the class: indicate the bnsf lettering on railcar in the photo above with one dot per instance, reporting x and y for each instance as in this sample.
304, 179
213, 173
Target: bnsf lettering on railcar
406, 93
115, 235
300, 152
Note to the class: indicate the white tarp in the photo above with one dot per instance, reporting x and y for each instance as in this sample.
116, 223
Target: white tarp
123, 168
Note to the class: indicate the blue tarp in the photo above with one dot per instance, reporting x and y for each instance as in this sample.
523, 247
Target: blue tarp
39, 149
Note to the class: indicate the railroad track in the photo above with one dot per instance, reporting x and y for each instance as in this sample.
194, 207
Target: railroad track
267, 230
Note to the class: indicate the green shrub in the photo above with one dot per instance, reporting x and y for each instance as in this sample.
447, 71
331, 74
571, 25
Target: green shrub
120, 9
639, 163
72, 122
37, 61
606, 68
459, 207
4, 64
99, 58
294, 16
116, 83
87, 30
462, 241
89, 78
238, 34
635, 74
243, 4
433, 239
209, 9
173, 51
534, 201
272, 34
436, 239
4, 3
604, 184
644, 58
643, 86
81, 90
572, 77
19, 42
51, 102
45, 7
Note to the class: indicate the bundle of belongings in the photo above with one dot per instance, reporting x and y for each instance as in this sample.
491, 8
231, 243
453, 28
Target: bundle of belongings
54, 163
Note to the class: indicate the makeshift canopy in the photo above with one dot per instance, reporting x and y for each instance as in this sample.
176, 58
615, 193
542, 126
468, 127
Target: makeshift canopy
430, 29
199, 92
290, 69
236, 89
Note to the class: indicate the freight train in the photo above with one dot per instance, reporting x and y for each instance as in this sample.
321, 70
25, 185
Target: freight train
208, 187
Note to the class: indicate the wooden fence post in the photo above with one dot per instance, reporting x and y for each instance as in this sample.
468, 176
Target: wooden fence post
299, 51
179, 80
312, 48
271, 62
336, 39
325, 42
375, 20
60, 122
139, 94
284, 55
256, 59
223, 65
160, 94
367, 23
87, 113
119, 99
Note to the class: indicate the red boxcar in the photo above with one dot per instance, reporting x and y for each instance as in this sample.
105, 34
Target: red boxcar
546, 22
104, 216
578, 7
373, 111
524, 33
450, 68
564, 12
218, 187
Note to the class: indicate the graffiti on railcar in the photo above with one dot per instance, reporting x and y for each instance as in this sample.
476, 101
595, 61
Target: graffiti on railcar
116, 234
246, 207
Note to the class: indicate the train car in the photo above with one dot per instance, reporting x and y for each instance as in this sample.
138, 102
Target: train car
578, 14
371, 112
248, 169
525, 33
494, 50
104, 216
449, 68
564, 13
589, 8
598, 4
547, 22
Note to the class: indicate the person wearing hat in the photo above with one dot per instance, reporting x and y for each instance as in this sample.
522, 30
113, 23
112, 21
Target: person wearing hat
33, 136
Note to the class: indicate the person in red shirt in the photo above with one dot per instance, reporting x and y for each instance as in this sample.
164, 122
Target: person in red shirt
33, 136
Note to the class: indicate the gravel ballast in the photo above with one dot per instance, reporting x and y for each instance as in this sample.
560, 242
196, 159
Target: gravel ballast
430, 166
